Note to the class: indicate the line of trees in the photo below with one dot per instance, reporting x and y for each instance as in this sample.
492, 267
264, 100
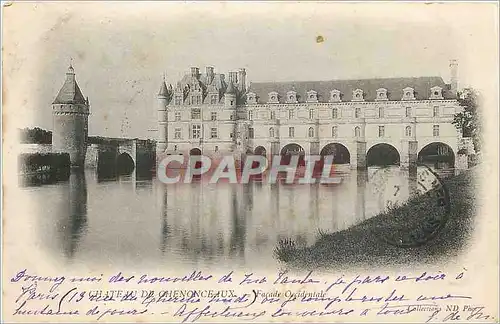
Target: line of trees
469, 120
35, 136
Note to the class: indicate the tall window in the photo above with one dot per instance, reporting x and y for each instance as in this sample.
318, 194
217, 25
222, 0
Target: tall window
271, 132
334, 131
435, 130
381, 131
311, 132
213, 99
311, 113
357, 131
195, 113
213, 132
250, 133
178, 100
435, 111
250, 115
381, 112
216, 148
291, 114
213, 115
177, 134
335, 113
291, 132
357, 112
177, 116
408, 131
408, 111
196, 100
273, 115
231, 117
175, 147
196, 130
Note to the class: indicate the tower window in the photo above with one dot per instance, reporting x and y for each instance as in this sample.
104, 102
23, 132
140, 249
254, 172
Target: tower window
213, 99
195, 113
435, 130
334, 131
213, 132
335, 113
357, 112
357, 131
311, 113
271, 132
177, 134
273, 115
251, 132
435, 111
178, 100
381, 131
408, 111
291, 132
196, 131
177, 116
311, 132
216, 148
381, 112
250, 115
213, 115
291, 114
408, 131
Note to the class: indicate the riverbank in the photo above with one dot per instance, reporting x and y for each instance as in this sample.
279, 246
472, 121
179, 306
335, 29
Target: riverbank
363, 246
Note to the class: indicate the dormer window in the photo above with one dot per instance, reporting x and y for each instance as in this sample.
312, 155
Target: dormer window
251, 98
335, 96
436, 93
312, 96
381, 94
408, 94
357, 95
178, 99
273, 97
291, 97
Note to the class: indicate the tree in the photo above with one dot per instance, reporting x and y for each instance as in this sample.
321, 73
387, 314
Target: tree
469, 120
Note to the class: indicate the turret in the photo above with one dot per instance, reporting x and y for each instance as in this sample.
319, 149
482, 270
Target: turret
242, 78
162, 99
70, 111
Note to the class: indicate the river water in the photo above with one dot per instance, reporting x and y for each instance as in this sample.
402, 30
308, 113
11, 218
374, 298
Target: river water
129, 221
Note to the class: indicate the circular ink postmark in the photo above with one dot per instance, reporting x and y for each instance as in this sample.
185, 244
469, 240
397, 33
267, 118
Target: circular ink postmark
414, 205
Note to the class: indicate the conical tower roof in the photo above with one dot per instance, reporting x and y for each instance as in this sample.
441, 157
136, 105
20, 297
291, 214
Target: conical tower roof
163, 90
70, 92
231, 89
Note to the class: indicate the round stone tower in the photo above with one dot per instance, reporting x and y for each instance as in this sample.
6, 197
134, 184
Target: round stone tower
70, 111
162, 98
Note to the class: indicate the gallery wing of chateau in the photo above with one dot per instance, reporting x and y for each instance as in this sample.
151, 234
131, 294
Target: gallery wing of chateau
357, 121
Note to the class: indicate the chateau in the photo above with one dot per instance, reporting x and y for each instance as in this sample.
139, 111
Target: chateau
358, 121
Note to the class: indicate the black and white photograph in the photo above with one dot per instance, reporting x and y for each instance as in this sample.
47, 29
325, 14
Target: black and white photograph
236, 161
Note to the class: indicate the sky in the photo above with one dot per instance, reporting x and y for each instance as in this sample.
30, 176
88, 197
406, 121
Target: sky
121, 50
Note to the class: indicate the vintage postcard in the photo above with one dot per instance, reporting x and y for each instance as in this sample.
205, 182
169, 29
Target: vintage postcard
250, 162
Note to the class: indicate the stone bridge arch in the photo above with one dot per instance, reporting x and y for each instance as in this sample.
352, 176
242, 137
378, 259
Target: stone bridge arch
437, 154
340, 153
382, 154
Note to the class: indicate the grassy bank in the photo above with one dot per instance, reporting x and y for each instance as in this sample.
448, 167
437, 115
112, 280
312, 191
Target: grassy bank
365, 244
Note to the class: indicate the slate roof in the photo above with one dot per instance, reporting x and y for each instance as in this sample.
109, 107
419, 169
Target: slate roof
70, 92
163, 90
394, 86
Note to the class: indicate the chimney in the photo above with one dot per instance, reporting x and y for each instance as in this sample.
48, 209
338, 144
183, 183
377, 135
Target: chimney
454, 76
210, 74
195, 72
233, 77
242, 76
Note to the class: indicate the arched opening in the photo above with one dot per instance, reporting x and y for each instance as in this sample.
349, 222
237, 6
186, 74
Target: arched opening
195, 151
292, 149
382, 155
339, 152
260, 150
124, 164
438, 155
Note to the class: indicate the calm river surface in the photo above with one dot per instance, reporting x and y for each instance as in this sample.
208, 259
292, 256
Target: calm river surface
127, 221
